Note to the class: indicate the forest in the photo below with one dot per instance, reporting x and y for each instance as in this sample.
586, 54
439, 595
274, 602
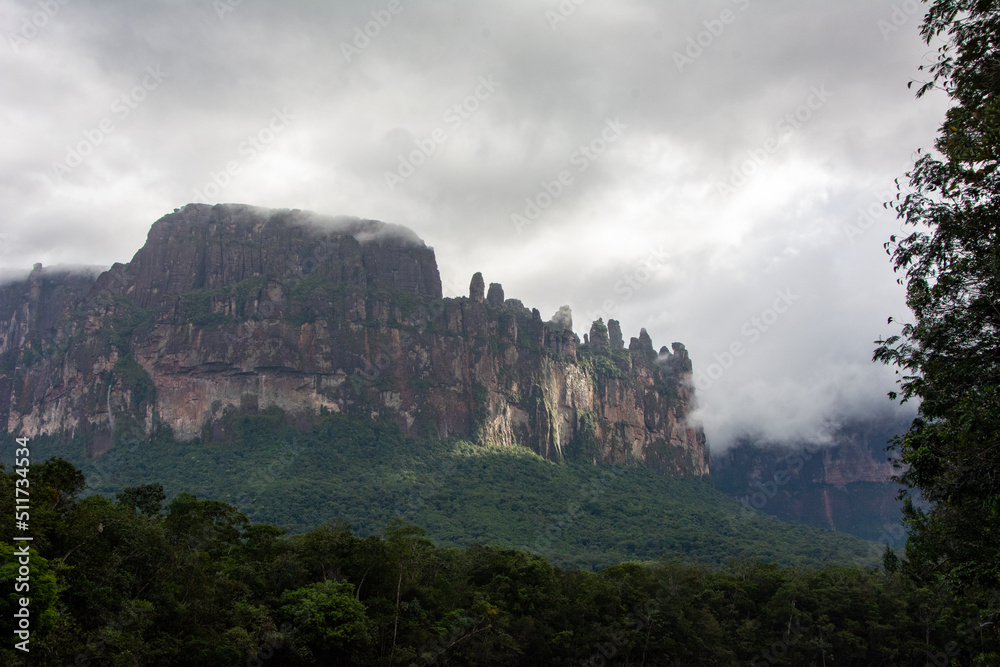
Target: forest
368, 473
131, 580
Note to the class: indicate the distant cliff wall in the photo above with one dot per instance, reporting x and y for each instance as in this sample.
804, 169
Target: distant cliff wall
844, 485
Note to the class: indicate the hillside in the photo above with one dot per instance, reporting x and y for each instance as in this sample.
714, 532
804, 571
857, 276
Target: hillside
367, 474
134, 581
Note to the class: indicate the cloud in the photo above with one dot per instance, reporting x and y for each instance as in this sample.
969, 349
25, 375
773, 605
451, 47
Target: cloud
556, 86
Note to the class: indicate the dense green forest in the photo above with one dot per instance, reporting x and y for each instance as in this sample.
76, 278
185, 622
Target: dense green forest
300, 474
129, 582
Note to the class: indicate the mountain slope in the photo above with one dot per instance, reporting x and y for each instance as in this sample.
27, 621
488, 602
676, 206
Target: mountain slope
369, 473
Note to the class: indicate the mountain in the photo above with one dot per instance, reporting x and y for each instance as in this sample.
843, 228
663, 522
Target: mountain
307, 368
236, 308
844, 485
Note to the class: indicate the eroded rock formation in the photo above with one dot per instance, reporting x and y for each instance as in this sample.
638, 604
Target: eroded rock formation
237, 308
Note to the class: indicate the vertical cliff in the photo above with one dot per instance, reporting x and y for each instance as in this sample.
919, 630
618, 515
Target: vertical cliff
844, 485
238, 308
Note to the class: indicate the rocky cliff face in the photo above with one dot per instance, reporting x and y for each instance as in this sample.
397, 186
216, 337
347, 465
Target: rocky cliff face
844, 485
233, 308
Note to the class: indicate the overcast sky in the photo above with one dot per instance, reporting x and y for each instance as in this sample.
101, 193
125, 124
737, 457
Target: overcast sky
583, 152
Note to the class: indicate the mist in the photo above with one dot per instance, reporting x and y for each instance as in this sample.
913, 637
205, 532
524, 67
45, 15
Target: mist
713, 172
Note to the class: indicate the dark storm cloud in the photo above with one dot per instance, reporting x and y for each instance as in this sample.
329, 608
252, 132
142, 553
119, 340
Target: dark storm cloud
617, 130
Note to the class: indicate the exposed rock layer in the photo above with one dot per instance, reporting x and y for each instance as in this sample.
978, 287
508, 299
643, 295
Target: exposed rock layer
237, 308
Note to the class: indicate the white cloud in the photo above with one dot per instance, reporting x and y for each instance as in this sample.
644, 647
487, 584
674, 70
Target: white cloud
652, 188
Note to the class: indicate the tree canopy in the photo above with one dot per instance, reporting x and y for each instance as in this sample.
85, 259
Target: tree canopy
197, 584
948, 357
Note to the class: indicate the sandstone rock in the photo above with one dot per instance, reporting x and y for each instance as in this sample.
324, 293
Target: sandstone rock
495, 296
642, 348
615, 334
681, 358
599, 335
516, 306
234, 307
477, 287
645, 342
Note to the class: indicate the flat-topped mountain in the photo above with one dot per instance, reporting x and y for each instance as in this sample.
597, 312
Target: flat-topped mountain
232, 308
